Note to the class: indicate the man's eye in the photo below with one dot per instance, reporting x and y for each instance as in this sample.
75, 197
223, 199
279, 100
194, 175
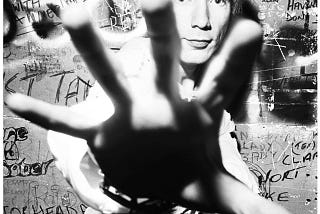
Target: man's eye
217, 1
181, 1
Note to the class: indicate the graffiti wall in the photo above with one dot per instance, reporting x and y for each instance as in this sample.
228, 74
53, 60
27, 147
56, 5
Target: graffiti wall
276, 125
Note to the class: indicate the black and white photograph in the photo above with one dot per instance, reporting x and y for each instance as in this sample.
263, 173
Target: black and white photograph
160, 106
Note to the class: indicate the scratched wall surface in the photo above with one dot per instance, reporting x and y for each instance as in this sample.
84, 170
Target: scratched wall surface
276, 125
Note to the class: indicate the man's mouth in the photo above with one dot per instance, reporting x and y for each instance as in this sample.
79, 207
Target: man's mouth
198, 43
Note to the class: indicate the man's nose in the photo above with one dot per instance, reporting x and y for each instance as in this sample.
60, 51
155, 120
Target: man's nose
200, 15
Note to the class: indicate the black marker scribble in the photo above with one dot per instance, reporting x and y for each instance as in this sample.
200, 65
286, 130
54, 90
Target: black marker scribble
6, 86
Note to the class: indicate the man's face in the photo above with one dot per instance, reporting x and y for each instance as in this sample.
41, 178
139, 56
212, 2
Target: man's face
201, 25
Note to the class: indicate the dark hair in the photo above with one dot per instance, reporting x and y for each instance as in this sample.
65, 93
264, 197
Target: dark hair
245, 8
9, 15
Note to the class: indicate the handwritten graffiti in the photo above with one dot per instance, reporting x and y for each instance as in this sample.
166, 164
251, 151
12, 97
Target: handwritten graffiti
74, 87
13, 166
297, 5
266, 180
45, 210
28, 16
308, 157
6, 85
10, 138
77, 88
302, 16
22, 169
273, 196
28, 196
287, 175
44, 64
282, 161
300, 148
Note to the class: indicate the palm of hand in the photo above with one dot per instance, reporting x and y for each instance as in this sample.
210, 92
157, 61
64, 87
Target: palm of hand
157, 160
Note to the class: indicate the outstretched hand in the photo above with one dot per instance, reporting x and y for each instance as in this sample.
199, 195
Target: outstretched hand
159, 146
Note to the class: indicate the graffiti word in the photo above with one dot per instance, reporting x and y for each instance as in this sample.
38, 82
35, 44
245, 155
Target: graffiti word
308, 157
301, 147
295, 5
283, 196
47, 210
254, 156
26, 4
257, 147
73, 89
23, 169
34, 17
290, 17
76, 88
10, 137
287, 175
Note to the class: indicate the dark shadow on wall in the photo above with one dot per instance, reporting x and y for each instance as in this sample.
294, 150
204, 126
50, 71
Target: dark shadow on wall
286, 78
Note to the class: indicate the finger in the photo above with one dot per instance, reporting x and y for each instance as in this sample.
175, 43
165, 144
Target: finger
165, 43
57, 118
99, 61
230, 69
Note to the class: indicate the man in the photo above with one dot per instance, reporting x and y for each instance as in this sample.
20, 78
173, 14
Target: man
151, 143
